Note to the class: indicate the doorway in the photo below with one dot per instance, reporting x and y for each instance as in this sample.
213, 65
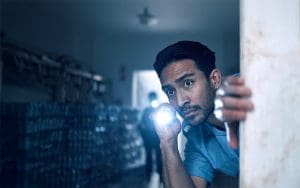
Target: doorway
144, 82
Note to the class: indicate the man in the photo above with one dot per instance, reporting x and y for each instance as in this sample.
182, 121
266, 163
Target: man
190, 80
151, 140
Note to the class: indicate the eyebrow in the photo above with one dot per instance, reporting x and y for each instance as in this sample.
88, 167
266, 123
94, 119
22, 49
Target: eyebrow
164, 88
180, 79
183, 77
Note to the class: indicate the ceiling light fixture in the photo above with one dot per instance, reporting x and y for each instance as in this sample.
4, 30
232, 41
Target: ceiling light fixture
146, 18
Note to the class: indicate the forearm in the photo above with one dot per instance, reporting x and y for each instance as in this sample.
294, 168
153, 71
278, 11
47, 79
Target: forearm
174, 172
165, 176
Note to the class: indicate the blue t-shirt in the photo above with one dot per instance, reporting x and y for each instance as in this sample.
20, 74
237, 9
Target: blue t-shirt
207, 151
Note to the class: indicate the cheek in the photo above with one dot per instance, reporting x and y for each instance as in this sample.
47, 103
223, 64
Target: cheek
173, 103
198, 99
197, 95
202, 96
210, 97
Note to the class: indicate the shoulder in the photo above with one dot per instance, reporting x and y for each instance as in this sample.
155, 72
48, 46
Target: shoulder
196, 160
207, 150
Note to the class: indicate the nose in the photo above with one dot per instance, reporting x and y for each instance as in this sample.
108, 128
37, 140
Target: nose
182, 98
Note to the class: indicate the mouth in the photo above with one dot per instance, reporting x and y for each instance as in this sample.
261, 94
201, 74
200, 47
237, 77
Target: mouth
189, 112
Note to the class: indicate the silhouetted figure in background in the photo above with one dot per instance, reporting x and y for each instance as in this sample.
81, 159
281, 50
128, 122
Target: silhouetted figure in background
151, 140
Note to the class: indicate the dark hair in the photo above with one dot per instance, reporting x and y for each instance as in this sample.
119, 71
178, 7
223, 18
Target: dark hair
201, 54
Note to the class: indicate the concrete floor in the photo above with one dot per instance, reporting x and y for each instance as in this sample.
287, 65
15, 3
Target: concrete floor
135, 179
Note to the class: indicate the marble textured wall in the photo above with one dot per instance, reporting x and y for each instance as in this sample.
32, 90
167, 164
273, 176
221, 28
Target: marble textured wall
270, 62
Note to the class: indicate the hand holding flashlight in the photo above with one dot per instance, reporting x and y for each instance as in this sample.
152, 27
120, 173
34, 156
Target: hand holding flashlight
166, 124
232, 104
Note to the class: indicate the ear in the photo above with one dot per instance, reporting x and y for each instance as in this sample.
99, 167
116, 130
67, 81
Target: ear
215, 78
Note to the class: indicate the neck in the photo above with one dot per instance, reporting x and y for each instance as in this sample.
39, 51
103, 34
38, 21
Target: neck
215, 122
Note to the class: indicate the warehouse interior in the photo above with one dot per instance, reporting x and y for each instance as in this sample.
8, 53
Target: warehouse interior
74, 82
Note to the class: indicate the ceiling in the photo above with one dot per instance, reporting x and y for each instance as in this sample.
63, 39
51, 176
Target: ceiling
121, 15
100, 31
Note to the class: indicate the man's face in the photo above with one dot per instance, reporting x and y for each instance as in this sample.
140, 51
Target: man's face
188, 90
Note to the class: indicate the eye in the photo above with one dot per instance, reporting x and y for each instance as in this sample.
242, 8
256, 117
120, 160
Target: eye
170, 92
188, 83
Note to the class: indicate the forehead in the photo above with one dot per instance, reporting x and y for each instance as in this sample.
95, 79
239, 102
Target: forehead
177, 69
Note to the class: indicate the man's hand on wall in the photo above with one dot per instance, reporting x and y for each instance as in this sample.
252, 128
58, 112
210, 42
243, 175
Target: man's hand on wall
232, 104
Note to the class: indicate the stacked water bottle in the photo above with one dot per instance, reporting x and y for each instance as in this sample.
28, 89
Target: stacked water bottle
67, 145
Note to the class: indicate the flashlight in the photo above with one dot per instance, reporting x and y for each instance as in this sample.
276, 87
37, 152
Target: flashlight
231, 131
154, 103
164, 115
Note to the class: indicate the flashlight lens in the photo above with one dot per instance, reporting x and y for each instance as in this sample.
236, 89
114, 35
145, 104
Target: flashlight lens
164, 116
